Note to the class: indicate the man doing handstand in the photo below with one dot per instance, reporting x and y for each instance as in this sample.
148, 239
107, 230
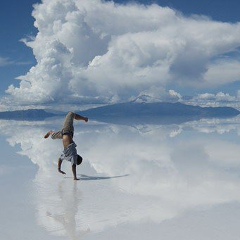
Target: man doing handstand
70, 151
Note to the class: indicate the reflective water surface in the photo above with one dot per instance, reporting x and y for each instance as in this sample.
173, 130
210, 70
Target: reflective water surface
136, 181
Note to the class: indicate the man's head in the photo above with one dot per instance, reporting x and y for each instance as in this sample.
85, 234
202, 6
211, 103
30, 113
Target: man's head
79, 159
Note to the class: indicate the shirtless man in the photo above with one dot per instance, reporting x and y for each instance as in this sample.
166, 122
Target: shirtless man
70, 151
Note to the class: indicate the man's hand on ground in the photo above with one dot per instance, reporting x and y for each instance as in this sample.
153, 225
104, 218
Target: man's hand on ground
62, 172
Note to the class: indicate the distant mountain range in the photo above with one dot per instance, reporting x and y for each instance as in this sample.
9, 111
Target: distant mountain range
161, 112
28, 115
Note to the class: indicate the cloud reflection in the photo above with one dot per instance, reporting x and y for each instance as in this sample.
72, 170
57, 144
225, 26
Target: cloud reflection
151, 173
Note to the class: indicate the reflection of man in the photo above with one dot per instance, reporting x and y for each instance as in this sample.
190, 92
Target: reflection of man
66, 215
70, 151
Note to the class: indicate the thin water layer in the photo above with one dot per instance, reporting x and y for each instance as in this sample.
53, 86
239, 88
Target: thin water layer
136, 182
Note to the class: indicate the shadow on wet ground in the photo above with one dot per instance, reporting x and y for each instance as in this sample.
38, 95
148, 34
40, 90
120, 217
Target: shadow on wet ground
89, 178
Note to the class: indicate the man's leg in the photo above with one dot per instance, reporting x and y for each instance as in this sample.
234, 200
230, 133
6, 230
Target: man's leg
67, 128
68, 124
54, 135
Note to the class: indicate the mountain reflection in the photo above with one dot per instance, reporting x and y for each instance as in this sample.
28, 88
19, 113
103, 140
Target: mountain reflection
151, 173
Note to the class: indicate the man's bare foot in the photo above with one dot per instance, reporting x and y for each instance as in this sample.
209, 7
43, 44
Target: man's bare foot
48, 134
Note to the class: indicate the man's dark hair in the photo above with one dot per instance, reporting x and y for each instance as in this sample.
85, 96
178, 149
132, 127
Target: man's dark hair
79, 160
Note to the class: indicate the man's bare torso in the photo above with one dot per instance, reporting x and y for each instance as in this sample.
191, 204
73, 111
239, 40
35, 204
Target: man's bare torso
67, 140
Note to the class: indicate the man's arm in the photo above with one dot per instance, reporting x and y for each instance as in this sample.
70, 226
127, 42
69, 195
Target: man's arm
74, 172
79, 117
59, 166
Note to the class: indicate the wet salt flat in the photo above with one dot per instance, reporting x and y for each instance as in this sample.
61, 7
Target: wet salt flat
136, 182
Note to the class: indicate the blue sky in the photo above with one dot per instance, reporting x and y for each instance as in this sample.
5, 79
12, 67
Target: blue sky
16, 59
15, 23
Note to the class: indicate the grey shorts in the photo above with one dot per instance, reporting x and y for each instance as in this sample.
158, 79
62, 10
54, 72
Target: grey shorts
70, 154
67, 129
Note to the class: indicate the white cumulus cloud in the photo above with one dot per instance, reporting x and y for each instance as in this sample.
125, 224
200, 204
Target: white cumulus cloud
97, 51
